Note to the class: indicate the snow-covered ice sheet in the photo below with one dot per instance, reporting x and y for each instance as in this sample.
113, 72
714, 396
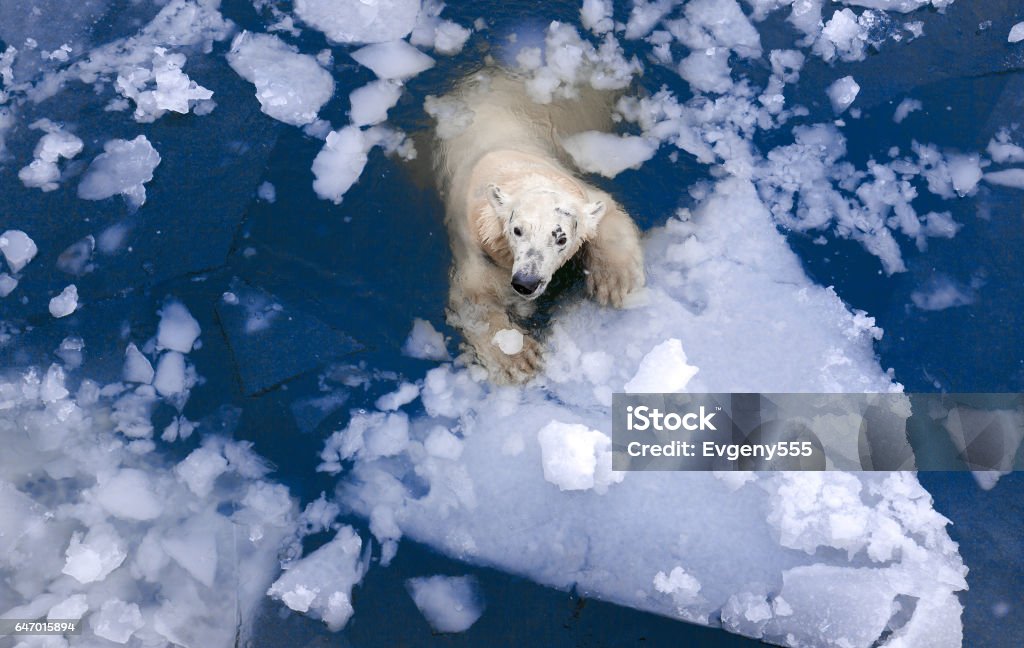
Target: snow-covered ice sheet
751, 552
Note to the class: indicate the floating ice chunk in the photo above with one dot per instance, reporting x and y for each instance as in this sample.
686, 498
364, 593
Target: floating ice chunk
43, 172
393, 142
569, 61
177, 330
906, 107
94, 557
716, 23
129, 495
609, 154
194, 547
941, 293
137, 367
1002, 150
575, 457
342, 159
425, 342
291, 87
596, 15
406, 393
448, 603
170, 378
123, 168
443, 444
663, 370
70, 351
366, 21
318, 516
1016, 33
844, 35
339, 163
964, 172
451, 114
371, 103
266, 192
393, 60
1013, 178
450, 37
935, 169
444, 36
178, 428
510, 341
901, 6
369, 436
179, 24
102, 542
160, 88
18, 249
320, 584
52, 388
7, 284
842, 93
73, 607
856, 611
645, 15
200, 469
682, 587
707, 70
65, 303
116, 621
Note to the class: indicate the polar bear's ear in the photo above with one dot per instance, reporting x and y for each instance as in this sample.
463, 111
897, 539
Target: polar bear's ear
496, 196
592, 215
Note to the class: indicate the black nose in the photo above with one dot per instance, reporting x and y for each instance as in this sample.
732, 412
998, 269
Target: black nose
525, 284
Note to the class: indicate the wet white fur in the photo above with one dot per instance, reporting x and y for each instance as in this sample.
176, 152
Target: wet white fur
509, 188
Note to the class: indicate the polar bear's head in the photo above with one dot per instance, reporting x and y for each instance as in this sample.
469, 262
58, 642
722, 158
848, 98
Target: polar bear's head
543, 228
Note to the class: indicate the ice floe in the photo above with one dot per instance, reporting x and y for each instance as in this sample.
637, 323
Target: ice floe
397, 60
290, 86
365, 21
124, 167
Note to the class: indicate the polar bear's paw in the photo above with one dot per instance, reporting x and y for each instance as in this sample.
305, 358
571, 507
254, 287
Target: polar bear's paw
513, 368
611, 283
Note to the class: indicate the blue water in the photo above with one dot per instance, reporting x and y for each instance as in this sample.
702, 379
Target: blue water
352, 278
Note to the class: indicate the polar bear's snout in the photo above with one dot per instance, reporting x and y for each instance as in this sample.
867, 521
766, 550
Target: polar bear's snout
525, 284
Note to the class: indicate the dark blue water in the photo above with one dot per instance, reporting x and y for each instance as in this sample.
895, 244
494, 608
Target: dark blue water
351, 278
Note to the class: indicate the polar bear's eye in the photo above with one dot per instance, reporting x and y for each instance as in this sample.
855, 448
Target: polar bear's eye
517, 231
561, 240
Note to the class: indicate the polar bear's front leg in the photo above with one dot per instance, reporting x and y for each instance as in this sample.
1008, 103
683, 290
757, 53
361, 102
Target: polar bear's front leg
475, 308
614, 258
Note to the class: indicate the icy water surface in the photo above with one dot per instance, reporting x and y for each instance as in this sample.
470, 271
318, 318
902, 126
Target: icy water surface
327, 295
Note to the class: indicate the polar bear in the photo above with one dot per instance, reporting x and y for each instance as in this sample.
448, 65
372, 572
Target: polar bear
516, 212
